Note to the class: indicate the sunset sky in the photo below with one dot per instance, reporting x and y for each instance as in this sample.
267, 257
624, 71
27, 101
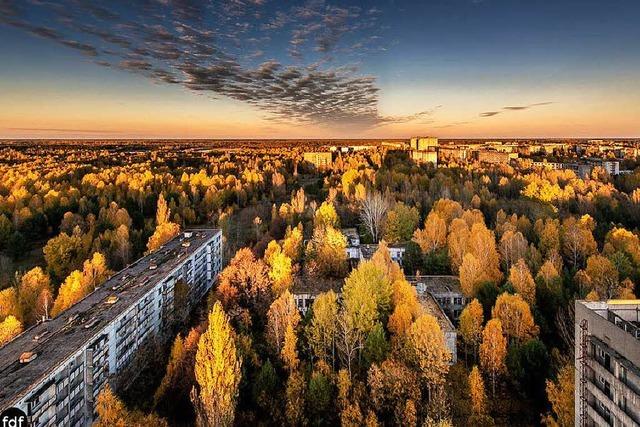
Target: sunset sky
316, 69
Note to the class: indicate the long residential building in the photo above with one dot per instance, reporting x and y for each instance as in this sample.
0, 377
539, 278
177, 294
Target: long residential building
55, 370
607, 361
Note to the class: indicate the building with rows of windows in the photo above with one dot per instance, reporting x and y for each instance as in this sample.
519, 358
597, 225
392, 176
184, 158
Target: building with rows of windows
607, 361
55, 370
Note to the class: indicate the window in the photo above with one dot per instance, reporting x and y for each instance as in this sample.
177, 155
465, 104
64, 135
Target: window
622, 374
622, 403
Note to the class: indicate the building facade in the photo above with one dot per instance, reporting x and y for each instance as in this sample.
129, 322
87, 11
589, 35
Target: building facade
55, 370
607, 361
320, 159
424, 150
445, 289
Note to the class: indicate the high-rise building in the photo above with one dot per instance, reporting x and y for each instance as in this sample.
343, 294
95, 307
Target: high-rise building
424, 149
55, 370
424, 143
607, 361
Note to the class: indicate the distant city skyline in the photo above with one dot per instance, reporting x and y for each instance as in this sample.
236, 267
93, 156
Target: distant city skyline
319, 69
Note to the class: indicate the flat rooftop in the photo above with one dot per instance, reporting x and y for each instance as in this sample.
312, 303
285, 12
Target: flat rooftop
625, 314
438, 283
56, 340
430, 306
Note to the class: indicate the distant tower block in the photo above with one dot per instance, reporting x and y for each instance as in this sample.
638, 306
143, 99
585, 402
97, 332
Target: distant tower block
424, 149
424, 143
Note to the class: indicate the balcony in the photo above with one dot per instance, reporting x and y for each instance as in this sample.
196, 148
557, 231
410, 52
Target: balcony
632, 327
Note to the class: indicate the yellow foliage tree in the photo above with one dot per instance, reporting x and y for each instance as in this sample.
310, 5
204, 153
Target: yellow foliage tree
447, 209
33, 284
9, 328
493, 350
457, 242
217, 372
621, 239
321, 332
292, 244
577, 239
601, 276
434, 234
282, 314
382, 259
95, 271
162, 234
515, 317
273, 248
326, 216
163, 213
79, 284
281, 273
548, 232
289, 351
470, 325
326, 252
406, 307
513, 247
366, 296
9, 304
561, 395
71, 291
477, 392
522, 281
295, 395
112, 413
548, 272
427, 351
482, 244
471, 275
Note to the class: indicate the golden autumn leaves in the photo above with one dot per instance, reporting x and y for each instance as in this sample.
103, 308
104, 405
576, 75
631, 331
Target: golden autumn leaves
217, 372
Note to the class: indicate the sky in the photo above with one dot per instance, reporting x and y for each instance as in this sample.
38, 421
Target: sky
319, 69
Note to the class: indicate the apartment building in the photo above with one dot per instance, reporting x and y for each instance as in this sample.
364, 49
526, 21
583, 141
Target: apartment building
607, 361
320, 159
55, 370
431, 306
445, 289
424, 149
495, 157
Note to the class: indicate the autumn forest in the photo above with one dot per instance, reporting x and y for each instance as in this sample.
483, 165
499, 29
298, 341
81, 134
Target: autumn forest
524, 243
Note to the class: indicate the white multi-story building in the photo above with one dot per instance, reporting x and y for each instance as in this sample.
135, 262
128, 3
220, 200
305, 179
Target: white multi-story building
55, 370
607, 361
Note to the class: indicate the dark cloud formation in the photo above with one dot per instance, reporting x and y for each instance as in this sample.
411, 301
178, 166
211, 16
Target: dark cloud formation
217, 48
514, 108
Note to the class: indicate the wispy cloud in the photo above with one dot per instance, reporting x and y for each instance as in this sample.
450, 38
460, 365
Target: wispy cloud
526, 107
514, 108
450, 125
489, 113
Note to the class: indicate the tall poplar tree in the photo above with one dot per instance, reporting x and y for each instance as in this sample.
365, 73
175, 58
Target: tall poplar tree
217, 372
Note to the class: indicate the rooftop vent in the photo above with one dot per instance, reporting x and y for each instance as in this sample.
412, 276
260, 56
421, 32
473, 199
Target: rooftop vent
39, 336
28, 356
92, 323
112, 300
